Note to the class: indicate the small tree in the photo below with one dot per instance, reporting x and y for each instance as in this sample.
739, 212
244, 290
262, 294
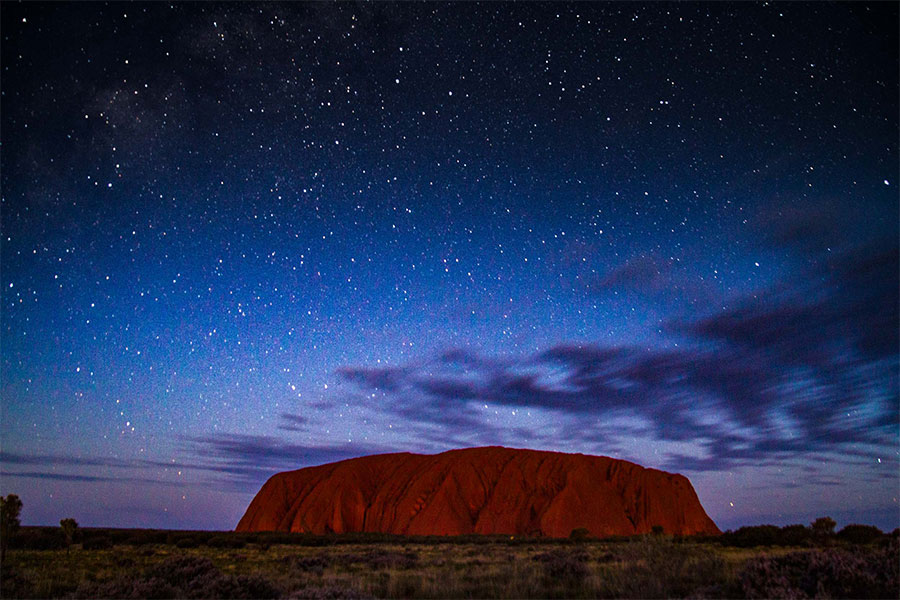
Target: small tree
823, 528
860, 534
69, 526
10, 507
823, 525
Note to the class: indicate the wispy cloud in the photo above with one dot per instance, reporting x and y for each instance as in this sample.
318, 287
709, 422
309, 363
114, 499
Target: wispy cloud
248, 460
291, 422
89, 478
810, 367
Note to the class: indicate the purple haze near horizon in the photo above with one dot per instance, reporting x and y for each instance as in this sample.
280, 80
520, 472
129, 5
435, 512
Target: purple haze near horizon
245, 238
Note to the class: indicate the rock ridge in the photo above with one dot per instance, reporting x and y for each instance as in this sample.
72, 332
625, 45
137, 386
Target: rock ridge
490, 490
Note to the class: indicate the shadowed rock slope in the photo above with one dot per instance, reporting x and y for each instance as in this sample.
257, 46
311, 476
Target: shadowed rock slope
478, 490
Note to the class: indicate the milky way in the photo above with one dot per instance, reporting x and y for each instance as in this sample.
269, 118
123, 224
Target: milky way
245, 238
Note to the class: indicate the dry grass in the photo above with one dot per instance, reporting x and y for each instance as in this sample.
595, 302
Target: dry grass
654, 566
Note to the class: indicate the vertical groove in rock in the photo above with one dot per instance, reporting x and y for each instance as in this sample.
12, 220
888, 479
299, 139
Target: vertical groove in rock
490, 490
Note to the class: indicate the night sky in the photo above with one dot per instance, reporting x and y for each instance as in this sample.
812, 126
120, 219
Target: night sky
245, 238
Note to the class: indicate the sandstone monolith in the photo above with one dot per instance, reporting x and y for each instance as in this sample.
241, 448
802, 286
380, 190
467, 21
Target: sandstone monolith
491, 490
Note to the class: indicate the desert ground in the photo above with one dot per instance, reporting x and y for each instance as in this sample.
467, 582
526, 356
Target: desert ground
753, 562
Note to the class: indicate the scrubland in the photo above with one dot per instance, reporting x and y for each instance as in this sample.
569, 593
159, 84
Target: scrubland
751, 563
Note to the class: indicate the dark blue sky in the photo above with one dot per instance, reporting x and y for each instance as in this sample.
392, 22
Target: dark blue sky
244, 238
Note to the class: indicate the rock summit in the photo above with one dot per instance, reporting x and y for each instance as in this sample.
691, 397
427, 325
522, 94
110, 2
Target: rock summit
490, 490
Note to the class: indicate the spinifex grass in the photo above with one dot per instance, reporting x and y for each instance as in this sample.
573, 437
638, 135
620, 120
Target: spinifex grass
656, 566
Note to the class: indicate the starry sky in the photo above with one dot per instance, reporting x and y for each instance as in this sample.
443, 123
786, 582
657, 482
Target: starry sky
244, 238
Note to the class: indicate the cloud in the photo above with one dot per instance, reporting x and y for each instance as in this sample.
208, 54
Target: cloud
61, 476
248, 460
809, 368
385, 378
239, 462
854, 307
89, 478
809, 227
645, 274
55, 459
291, 422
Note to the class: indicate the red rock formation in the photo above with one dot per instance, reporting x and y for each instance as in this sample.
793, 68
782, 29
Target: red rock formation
478, 490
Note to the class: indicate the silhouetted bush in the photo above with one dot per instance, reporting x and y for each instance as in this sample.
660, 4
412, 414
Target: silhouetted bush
146, 537
795, 535
38, 538
747, 537
226, 541
827, 573
820, 532
10, 507
860, 534
186, 542
69, 528
823, 526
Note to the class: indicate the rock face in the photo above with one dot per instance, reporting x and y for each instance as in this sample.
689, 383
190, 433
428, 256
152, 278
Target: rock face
478, 490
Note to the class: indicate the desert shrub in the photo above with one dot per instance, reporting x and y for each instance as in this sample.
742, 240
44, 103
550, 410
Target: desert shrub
827, 573
10, 507
349, 558
186, 542
860, 534
309, 564
182, 570
655, 567
38, 539
69, 528
13, 584
188, 539
124, 587
563, 566
146, 537
308, 540
823, 526
97, 543
392, 560
795, 535
123, 562
288, 539
240, 586
226, 541
181, 577
379, 559
748, 537
330, 591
